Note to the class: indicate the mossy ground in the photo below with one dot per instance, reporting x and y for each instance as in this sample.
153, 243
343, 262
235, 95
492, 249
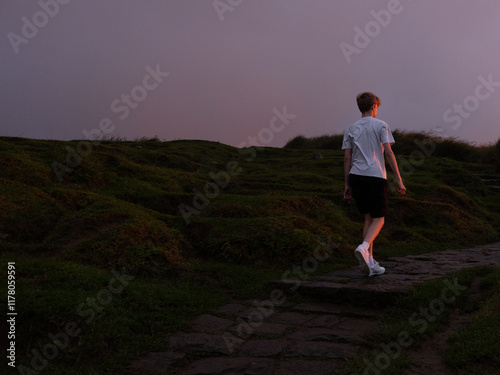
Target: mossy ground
197, 223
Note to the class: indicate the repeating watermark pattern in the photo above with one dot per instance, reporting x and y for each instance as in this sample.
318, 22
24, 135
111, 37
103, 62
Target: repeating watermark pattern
223, 6
211, 190
264, 309
484, 90
454, 115
39, 359
221, 179
419, 321
425, 148
121, 106
31, 26
364, 36
266, 134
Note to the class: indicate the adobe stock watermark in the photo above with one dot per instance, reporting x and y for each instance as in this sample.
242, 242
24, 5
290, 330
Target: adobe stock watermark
122, 107
264, 309
220, 180
420, 321
223, 6
87, 310
31, 26
459, 112
364, 36
455, 115
407, 166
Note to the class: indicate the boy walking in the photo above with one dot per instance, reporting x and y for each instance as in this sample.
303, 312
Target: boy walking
364, 145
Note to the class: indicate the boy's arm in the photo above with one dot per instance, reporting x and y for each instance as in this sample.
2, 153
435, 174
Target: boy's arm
347, 169
391, 158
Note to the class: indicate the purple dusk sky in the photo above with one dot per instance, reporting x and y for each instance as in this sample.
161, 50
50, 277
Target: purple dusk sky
241, 71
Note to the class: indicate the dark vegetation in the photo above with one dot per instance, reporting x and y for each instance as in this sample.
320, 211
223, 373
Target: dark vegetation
471, 350
199, 222
411, 142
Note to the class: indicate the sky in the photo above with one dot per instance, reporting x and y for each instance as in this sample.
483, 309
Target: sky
246, 72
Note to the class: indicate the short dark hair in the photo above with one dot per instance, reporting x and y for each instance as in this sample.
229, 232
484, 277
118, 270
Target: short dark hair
366, 100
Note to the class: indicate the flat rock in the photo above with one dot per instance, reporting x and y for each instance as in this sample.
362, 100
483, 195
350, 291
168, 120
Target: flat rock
292, 367
314, 334
263, 348
359, 293
321, 349
231, 366
318, 308
326, 321
271, 330
360, 326
230, 309
210, 324
291, 318
200, 342
156, 363
402, 274
245, 330
255, 314
348, 336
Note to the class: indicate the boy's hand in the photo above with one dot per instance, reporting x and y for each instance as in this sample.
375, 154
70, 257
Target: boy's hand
401, 189
347, 193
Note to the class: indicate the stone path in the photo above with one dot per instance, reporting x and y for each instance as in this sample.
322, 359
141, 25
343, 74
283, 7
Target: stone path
277, 336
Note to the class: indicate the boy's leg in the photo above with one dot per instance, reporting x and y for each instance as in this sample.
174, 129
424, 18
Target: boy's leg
372, 228
368, 221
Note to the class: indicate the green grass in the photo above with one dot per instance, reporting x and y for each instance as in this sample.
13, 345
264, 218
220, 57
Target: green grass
417, 316
250, 214
475, 349
116, 321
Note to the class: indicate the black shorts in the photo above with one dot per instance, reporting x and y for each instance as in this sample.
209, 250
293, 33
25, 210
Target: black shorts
370, 194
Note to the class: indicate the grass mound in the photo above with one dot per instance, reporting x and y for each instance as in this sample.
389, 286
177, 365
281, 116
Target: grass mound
195, 222
147, 205
408, 143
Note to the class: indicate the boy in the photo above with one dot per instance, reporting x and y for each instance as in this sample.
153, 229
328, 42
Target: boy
364, 143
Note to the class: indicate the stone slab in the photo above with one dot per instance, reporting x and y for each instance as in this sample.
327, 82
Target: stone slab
314, 349
233, 366
317, 308
157, 363
230, 309
326, 321
263, 348
291, 318
293, 367
402, 274
271, 330
244, 330
210, 324
200, 342
314, 334
359, 293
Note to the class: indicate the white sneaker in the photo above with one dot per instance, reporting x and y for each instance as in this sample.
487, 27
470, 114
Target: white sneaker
374, 267
362, 256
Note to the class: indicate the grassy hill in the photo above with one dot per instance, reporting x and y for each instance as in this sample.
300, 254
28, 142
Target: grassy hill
191, 224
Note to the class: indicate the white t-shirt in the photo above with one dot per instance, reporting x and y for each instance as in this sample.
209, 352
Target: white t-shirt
366, 138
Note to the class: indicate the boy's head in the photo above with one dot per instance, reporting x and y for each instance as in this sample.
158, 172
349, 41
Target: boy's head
366, 100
